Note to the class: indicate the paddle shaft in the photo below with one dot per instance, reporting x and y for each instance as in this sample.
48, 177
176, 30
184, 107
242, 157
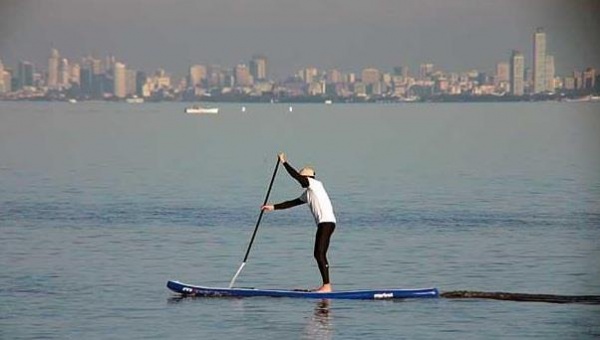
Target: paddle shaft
256, 227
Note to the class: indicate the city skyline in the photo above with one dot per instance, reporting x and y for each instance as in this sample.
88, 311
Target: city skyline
453, 35
110, 79
540, 62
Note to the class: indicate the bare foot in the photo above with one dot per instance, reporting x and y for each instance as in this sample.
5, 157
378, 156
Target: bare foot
326, 288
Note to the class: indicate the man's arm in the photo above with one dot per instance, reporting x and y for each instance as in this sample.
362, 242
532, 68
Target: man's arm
288, 204
290, 169
283, 205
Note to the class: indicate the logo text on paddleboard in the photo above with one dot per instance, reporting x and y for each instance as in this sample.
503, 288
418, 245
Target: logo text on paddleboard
383, 296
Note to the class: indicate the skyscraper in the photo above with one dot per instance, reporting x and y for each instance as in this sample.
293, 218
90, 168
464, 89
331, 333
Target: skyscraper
242, 76
502, 72
120, 80
258, 67
197, 75
53, 68
4, 79
86, 77
75, 74
539, 61
550, 73
64, 73
25, 74
517, 71
130, 82
140, 81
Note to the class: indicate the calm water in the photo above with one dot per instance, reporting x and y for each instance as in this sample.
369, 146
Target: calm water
102, 203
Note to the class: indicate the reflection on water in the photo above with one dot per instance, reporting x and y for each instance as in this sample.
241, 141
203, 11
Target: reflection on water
320, 326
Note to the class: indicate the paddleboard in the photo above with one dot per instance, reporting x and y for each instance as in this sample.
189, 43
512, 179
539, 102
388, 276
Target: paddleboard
365, 294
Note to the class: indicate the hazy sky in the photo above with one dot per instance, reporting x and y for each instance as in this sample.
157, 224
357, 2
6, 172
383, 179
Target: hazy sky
455, 35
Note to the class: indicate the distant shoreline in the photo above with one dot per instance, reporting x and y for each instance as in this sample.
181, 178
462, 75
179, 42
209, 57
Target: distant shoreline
330, 101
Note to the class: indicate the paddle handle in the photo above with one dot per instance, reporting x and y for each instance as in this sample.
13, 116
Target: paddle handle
256, 227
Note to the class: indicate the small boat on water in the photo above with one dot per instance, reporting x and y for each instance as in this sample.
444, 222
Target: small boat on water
134, 100
200, 110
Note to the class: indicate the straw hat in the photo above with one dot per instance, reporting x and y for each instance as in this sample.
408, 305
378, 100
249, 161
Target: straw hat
307, 171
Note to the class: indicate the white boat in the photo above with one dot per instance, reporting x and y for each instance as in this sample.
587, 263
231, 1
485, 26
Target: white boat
134, 100
199, 109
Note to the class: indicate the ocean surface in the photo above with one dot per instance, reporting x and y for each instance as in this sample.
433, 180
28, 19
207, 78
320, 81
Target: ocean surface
102, 203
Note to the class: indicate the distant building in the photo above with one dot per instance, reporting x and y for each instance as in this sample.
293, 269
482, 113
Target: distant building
158, 82
109, 64
401, 71
370, 76
242, 76
120, 80
569, 83
579, 80
64, 73
377, 88
334, 77
528, 76
502, 77
197, 75
140, 81
425, 70
97, 81
53, 69
25, 74
502, 72
131, 83
5, 80
360, 89
589, 78
86, 80
95, 65
258, 68
441, 85
309, 74
75, 74
216, 76
517, 71
316, 88
350, 78
539, 61
550, 73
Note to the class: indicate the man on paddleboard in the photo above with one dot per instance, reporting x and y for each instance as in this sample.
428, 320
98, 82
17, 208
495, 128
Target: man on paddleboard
320, 206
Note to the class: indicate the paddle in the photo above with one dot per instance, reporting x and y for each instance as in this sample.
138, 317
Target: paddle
256, 227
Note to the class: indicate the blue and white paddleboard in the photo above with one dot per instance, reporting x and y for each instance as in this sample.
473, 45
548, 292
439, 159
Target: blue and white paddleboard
377, 294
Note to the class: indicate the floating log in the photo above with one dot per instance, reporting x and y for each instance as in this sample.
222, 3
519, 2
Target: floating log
466, 294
